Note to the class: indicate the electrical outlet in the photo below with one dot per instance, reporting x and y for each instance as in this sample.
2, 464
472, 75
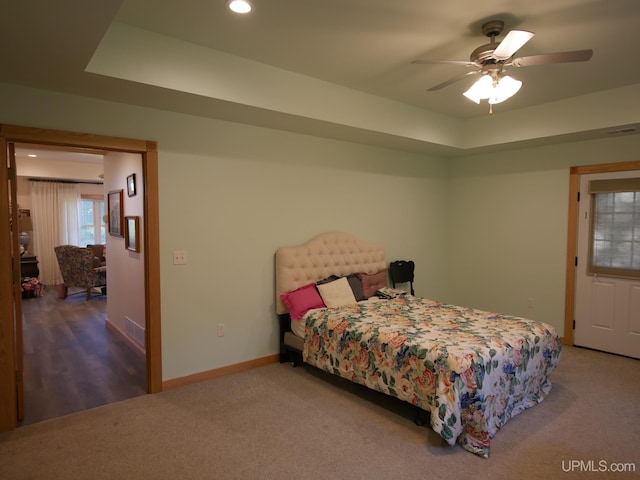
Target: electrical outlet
221, 329
531, 302
179, 257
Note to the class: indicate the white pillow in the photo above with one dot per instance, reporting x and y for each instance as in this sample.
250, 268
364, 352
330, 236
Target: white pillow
337, 293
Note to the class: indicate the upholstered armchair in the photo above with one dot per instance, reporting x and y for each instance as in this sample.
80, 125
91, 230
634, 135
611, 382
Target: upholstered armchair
77, 269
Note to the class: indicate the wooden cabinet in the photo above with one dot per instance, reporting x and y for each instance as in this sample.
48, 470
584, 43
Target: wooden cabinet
29, 266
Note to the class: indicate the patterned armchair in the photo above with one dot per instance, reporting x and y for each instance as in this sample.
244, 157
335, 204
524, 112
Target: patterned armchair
76, 267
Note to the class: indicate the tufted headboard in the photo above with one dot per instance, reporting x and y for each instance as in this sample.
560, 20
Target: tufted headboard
333, 253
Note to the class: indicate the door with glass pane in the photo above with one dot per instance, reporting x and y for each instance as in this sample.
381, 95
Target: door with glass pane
607, 310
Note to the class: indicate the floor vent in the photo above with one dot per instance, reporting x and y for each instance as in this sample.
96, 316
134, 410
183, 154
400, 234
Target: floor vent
135, 331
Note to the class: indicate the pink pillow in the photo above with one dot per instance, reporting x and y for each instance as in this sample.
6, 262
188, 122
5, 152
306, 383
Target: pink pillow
374, 282
301, 300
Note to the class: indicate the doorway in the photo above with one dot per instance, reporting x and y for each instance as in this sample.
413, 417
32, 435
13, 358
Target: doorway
76, 354
579, 285
607, 285
10, 301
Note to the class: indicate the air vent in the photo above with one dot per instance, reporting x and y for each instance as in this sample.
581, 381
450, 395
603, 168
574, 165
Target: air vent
134, 331
622, 131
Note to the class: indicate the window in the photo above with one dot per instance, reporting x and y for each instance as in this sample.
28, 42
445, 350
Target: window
92, 225
615, 227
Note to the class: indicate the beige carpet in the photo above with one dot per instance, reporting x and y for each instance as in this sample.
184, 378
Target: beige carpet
279, 422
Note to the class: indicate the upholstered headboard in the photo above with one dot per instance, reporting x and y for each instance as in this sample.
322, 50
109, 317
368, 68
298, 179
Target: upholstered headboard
333, 253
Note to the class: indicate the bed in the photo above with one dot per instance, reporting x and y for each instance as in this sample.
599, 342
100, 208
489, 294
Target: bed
469, 371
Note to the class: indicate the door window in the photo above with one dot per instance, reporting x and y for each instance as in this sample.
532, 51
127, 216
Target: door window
615, 228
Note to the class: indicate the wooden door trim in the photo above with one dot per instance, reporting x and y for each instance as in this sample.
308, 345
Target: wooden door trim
8, 401
572, 236
17, 287
149, 153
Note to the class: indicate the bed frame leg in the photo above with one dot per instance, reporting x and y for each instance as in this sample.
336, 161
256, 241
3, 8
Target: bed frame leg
419, 417
296, 358
291, 356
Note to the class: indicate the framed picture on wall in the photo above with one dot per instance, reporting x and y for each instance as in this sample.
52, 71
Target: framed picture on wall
131, 236
131, 185
115, 212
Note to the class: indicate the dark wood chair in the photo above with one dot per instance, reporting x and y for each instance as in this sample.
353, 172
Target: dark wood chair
401, 271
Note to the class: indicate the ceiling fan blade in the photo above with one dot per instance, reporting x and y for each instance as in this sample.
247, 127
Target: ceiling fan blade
452, 80
559, 57
514, 40
465, 63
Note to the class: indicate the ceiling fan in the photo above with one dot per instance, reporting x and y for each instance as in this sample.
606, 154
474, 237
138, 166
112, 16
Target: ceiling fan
490, 60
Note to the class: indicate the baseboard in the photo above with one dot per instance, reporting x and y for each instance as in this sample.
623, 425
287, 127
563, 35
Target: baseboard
128, 340
219, 372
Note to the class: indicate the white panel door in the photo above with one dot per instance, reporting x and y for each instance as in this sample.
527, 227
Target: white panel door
607, 311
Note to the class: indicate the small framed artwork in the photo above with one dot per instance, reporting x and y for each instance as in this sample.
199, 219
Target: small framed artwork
131, 237
115, 212
131, 185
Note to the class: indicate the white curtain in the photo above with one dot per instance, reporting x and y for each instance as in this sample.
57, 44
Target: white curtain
55, 211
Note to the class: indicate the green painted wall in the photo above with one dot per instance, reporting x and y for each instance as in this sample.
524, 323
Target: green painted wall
487, 231
508, 225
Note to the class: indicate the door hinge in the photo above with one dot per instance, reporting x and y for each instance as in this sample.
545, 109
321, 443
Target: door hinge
11, 172
576, 262
574, 323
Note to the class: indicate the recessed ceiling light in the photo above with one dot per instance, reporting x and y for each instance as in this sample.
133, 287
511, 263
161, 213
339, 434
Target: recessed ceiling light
32, 155
240, 6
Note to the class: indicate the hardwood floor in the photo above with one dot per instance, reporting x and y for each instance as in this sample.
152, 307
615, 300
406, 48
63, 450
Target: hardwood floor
72, 361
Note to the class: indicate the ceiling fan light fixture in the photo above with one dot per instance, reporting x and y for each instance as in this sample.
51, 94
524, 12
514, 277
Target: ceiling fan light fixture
496, 91
507, 88
489, 60
480, 89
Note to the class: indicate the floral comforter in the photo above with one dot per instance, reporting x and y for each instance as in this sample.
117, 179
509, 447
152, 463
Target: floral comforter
471, 369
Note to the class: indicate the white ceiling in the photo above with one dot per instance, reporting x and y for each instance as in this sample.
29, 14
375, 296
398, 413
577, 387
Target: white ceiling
363, 45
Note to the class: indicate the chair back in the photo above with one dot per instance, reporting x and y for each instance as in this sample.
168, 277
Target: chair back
76, 267
402, 271
99, 259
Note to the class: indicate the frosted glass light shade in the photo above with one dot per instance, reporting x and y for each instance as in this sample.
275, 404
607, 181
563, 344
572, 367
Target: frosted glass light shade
480, 89
495, 92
